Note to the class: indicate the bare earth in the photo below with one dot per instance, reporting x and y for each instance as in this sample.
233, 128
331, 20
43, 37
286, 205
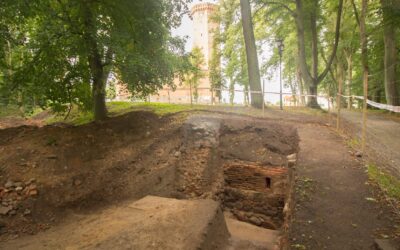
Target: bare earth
87, 169
383, 137
333, 210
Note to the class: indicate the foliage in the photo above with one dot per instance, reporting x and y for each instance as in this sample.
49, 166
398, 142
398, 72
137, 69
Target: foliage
195, 71
62, 51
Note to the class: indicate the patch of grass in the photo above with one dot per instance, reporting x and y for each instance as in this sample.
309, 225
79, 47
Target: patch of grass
119, 107
165, 108
353, 143
9, 110
76, 117
304, 187
388, 183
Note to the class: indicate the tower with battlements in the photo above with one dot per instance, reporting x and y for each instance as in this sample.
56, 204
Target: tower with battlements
204, 28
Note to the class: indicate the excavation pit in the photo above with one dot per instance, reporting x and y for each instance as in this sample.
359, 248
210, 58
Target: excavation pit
256, 194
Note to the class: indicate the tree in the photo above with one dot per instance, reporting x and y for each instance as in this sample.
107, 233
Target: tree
215, 69
251, 54
389, 10
195, 72
74, 45
313, 78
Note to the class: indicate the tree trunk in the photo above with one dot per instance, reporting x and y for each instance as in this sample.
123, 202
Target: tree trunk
231, 91
313, 80
301, 87
96, 66
251, 54
313, 103
364, 61
349, 59
246, 95
392, 96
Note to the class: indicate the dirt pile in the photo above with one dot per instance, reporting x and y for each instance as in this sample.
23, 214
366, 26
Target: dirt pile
239, 161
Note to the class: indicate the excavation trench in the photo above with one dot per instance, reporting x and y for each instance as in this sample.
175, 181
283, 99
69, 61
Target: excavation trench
247, 165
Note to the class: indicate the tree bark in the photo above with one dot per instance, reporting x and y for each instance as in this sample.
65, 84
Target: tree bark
301, 87
251, 54
364, 61
98, 74
313, 79
389, 29
231, 91
349, 59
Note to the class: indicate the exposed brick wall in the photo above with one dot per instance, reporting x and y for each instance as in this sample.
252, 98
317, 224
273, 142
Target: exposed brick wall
248, 197
255, 178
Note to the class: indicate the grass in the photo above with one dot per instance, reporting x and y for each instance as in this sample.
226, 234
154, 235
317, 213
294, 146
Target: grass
76, 117
353, 143
164, 108
388, 183
10, 110
80, 117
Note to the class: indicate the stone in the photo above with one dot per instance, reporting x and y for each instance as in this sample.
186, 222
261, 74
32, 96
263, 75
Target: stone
32, 186
255, 220
27, 212
77, 182
385, 244
177, 154
19, 184
9, 184
5, 209
358, 154
19, 189
33, 192
292, 157
30, 181
12, 212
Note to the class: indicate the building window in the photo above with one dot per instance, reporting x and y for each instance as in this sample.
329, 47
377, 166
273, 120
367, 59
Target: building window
267, 182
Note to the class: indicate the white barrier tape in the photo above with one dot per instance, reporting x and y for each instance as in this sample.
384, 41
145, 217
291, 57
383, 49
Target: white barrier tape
378, 105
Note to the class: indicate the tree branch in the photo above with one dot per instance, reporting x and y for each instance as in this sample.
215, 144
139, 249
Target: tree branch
282, 5
337, 36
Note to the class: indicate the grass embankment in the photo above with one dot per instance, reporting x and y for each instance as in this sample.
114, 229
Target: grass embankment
388, 183
79, 117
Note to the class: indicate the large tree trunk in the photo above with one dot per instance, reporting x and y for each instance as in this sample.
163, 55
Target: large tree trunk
312, 101
364, 61
349, 59
251, 54
389, 28
98, 74
312, 80
301, 87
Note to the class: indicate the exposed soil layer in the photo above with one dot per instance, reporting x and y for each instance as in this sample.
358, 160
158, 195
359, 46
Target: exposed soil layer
50, 173
86, 169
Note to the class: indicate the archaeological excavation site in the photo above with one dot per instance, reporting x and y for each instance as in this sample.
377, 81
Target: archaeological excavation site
140, 181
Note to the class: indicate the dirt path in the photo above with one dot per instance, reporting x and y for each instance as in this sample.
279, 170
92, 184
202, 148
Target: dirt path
383, 137
333, 208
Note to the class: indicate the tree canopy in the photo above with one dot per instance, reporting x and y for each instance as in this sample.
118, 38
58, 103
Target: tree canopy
60, 52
